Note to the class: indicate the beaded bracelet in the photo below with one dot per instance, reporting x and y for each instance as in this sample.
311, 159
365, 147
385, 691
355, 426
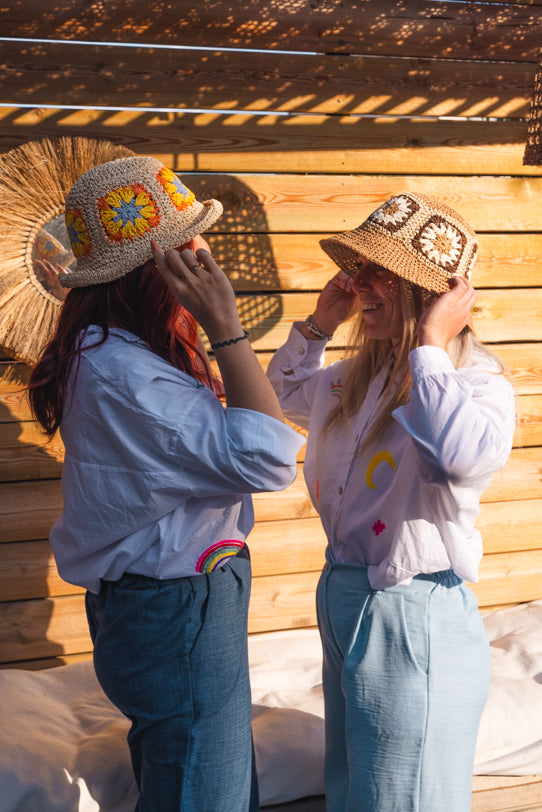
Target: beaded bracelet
229, 341
316, 330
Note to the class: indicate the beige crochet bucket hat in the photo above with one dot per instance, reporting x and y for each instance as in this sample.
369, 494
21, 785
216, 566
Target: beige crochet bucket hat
116, 208
416, 237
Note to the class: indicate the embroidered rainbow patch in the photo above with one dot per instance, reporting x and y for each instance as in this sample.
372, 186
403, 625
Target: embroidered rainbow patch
337, 388
217, 555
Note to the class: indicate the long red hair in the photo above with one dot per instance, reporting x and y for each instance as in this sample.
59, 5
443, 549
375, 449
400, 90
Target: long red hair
139, 302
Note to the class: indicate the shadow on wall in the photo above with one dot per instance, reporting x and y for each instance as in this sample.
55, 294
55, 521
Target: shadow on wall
30, 501
240, 244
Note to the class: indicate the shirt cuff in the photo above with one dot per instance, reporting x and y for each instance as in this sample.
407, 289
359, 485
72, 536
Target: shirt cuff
260, 433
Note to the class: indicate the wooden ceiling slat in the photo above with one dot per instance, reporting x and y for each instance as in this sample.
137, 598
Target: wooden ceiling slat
454, 29
89, 75
298, 143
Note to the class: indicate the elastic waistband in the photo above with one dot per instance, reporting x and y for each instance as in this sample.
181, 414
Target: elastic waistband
423, 582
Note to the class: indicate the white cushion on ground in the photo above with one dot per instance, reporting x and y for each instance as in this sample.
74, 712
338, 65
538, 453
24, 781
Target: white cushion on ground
63, 745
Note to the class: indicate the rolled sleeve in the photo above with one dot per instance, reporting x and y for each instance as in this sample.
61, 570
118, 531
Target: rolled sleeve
462, 421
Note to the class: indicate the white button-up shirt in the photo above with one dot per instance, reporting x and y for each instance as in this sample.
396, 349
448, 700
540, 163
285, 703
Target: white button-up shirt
407, 504
157, 473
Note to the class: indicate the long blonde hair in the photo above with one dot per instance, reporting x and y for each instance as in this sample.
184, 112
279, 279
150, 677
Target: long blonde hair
367, 357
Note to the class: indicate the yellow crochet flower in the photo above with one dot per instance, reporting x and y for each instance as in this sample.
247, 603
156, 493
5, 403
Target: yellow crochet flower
128, 212
180, 194
78, 233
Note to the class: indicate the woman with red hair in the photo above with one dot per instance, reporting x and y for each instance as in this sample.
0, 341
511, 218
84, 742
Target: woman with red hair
158, 475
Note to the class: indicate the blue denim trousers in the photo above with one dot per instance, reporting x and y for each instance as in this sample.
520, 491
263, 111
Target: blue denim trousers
406, 678
172, 656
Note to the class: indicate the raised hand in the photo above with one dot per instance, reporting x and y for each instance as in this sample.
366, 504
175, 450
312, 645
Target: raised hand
448, 314
336, 303
202, 287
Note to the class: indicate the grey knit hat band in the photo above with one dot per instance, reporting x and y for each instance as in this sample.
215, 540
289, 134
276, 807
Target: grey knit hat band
114, 211
417, 238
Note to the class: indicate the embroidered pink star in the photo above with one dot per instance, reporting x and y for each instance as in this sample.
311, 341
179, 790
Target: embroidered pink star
379, 527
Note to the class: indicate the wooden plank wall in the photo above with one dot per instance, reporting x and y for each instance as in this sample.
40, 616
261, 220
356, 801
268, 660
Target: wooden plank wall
301, 117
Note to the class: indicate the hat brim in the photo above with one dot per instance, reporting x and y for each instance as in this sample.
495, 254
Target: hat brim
345, 249
210, 213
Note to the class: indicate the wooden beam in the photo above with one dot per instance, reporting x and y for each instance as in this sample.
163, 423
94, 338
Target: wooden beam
469, 30
218, 142
112, 76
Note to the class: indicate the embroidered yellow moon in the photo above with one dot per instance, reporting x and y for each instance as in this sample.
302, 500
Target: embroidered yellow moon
381, 456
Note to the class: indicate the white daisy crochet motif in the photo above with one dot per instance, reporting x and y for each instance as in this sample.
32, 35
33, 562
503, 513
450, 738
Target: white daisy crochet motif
394, 213
441, 242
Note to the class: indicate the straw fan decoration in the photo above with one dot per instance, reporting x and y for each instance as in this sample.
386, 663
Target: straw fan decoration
35, 178
533, 148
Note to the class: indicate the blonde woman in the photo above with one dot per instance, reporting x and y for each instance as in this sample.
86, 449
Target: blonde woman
404, 436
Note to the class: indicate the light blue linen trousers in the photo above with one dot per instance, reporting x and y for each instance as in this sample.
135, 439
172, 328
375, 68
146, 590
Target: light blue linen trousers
406, 677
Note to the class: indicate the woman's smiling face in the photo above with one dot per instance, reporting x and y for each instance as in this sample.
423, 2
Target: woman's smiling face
379, 294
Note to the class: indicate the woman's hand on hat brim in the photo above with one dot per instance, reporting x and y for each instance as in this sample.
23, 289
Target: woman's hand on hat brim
336, 303
448, 314
202, 287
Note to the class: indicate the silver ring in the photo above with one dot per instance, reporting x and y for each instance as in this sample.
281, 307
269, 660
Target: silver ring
196, 267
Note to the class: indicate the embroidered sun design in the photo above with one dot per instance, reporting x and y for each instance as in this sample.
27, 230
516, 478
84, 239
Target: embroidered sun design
78, 233
180, 194
127, 212
336, 388
441, 242
395, 212
378, 527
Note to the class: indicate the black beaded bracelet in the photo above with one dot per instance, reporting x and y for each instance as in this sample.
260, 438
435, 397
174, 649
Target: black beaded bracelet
229, 341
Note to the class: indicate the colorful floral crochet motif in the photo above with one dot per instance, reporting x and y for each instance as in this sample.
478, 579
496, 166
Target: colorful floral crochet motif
128, 212
78, 233
180, 194
218, 554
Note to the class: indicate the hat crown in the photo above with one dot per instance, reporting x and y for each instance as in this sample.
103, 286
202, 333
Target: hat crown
115, 209
418, 238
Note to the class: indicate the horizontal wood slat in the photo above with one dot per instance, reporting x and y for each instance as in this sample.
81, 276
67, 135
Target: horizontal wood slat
30, 508
523, 361
513, 315
458, 30
218, 142
52, 73
286, 546
324, 203
504, 793
26, 454
56, 626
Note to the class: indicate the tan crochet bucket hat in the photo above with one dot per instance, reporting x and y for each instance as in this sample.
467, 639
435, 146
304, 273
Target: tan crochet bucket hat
416, 237
116, 208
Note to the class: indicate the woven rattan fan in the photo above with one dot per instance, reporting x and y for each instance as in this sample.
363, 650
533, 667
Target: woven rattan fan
533, 149
34, 181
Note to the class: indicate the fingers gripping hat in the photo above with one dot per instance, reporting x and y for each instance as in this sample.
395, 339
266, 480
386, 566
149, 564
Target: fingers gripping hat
114, 211
416, 237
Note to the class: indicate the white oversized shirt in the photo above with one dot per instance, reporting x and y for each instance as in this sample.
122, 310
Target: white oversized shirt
157, 474
408, 504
